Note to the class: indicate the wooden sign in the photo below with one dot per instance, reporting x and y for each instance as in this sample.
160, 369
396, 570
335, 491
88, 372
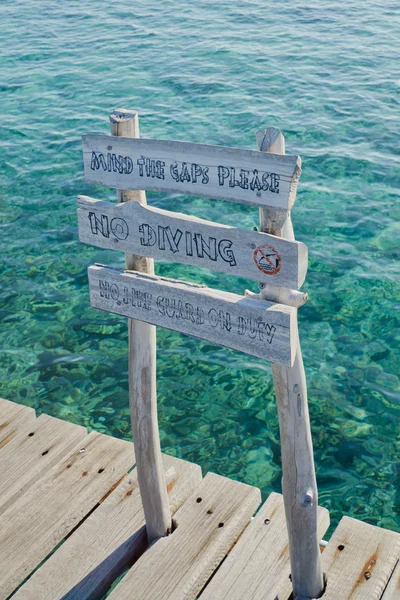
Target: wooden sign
155, 233
256, 327
248, 176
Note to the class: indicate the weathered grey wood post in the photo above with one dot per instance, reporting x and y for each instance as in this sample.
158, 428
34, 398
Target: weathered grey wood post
142, 376
299, 485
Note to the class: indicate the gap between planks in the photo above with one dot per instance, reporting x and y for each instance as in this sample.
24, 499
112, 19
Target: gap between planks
392, 591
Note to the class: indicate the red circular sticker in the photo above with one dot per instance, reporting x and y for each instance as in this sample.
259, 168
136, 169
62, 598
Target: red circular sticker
267, 259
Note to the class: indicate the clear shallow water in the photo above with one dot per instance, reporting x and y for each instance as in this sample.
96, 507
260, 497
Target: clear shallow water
209, 72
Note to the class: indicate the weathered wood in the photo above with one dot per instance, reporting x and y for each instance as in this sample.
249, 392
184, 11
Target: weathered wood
33, 451
359, 560
142, 371
13, 417
175, 237
210, 171
258, 566
256, 327
12, 409
272, 220
109, 541
392, 592
208, 524
50, 509
299, 484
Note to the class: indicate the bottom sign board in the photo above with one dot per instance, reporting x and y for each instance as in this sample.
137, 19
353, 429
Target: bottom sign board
148, 231
256, 327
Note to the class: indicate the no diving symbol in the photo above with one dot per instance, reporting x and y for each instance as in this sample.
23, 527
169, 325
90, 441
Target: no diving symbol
267, 259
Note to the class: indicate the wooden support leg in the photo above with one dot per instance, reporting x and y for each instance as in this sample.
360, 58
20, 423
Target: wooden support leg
142, 377
299, 485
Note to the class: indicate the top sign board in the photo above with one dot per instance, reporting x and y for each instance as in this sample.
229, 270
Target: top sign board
247, 176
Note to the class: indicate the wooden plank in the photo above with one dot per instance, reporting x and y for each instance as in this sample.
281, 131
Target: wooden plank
256, 327
109, 541
175, 237
211, 171
359, 560
12, 408
258, 567
33, 451
12, 418
40, 519
299, 484
392, 592
208, 524
142, 374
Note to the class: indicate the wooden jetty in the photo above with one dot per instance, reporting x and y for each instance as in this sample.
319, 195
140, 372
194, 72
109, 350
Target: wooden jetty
72, 528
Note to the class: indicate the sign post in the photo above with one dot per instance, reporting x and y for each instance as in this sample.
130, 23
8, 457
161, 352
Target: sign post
299, 486
142, 376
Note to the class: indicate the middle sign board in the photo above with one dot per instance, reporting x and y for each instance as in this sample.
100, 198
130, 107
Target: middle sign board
160, 234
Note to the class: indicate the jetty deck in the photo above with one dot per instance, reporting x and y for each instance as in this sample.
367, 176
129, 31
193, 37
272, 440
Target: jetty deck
72, 527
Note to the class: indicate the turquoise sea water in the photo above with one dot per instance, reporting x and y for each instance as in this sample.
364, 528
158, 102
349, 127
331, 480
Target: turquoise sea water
325, 73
